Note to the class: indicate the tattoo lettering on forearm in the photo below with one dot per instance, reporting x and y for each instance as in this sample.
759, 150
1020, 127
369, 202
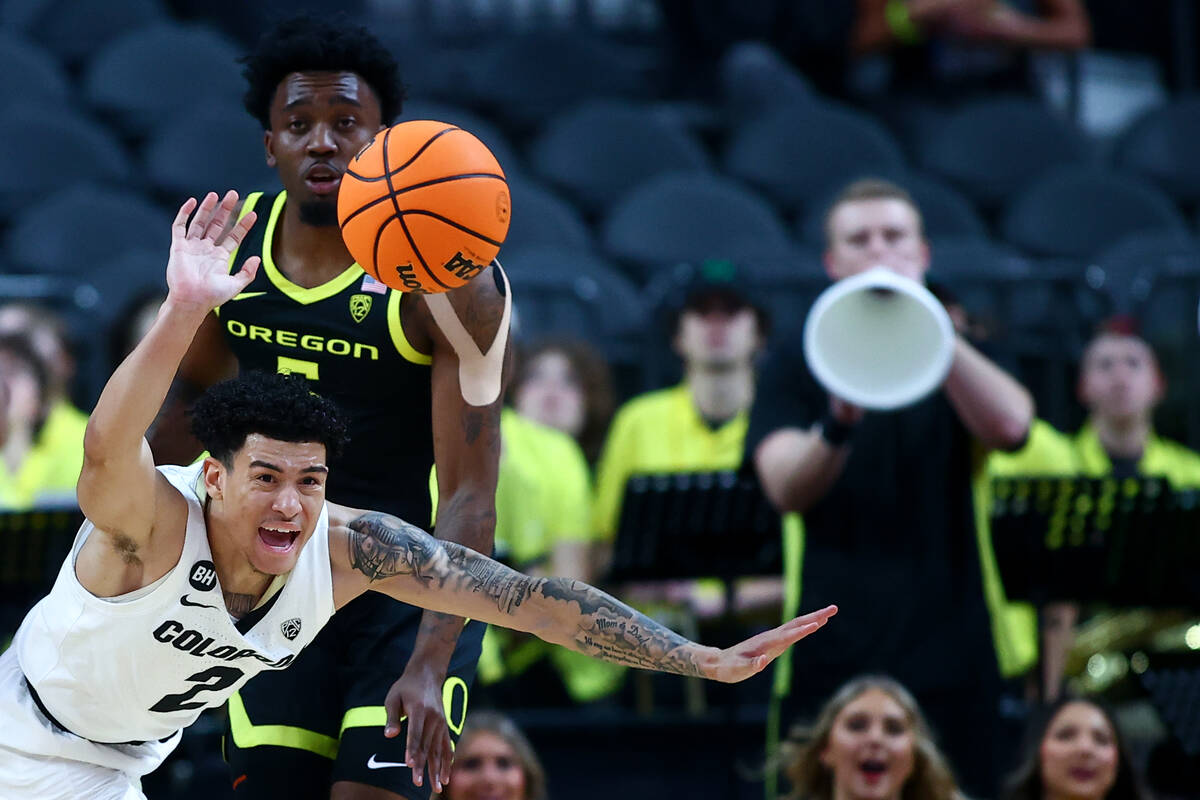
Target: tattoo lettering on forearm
382, 546
507, 587
615, 632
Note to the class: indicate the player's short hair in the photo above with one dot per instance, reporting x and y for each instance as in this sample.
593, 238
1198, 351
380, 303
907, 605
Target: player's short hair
869, 189
278, 406
331, 43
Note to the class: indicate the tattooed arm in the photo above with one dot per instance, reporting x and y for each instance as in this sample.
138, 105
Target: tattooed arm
388, 555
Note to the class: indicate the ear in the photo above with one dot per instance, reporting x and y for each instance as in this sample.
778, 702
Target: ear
824, 758
213, 473
269, 146
830, 269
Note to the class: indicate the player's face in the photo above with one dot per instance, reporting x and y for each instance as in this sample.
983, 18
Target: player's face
319, 121
876, 233
717, 336
552, 394
870, 749
24, 400
1079, 753
271, 498
486, 768
1120, 378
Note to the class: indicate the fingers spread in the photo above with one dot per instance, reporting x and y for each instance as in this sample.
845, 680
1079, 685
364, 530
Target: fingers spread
203, 215
179, 226
415, 753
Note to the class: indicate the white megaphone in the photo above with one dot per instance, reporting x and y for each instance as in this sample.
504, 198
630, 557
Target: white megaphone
878, 340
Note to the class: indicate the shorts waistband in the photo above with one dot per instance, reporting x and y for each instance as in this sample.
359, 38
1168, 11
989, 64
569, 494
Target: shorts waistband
37, 701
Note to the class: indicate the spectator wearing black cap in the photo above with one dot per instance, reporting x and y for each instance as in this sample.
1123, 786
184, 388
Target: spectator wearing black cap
700, 424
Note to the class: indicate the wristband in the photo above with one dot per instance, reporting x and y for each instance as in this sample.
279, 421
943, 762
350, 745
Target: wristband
900, 22
835, 432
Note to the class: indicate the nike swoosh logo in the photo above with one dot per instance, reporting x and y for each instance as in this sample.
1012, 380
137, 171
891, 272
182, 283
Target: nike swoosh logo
247, 295
373, 764
184, 601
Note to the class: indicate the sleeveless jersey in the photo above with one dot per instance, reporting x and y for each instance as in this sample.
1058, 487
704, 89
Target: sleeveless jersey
119, 670
343, 335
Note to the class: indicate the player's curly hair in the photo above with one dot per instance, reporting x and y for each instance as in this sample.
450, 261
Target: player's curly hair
330, 43
278, 406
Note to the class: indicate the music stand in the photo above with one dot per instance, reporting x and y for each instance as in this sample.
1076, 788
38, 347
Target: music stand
33, 545
695, 525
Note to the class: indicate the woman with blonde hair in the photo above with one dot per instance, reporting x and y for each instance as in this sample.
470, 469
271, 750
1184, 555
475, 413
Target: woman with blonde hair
494, 761
869, 742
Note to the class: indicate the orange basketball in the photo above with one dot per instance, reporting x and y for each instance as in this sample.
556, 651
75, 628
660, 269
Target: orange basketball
424, 206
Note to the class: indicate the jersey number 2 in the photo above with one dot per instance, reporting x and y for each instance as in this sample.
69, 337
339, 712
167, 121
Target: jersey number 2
210, 680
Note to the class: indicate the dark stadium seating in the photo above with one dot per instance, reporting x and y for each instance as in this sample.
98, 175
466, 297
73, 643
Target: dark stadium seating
576, 293
599, 150
796, 155
208, 148
524, 79
1154, 276
1161, 147
690, 216
1076, 212
31, 74
752, 79
72, 231
945, 211
153, 72
57, 151
75, 29
541, 217
991, 149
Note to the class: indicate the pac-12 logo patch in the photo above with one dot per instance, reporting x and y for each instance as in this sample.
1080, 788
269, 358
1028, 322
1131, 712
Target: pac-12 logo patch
360, 306
203, 576
290, 628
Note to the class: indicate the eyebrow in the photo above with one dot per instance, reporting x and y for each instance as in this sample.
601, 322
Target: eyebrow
339, 99
268, 465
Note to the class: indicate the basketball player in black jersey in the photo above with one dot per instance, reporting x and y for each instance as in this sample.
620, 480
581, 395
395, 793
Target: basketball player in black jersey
322, 89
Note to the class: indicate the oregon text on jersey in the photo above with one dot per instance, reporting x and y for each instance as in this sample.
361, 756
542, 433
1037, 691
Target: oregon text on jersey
306, 341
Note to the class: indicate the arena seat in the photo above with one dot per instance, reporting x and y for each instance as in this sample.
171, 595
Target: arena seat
991, 149
1075, 212
541, 217
152, 72
795, 155
1161, 147
599, 150
56, 150
945, 211
690, 216
72, 231
208, 148
31, 74
73, 30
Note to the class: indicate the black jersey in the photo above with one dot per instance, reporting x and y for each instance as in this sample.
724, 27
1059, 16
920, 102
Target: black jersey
343, 335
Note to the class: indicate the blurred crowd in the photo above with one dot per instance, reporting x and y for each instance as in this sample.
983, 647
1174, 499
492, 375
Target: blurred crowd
1008, 154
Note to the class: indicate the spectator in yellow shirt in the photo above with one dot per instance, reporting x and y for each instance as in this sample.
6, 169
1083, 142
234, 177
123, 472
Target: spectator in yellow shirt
32, 472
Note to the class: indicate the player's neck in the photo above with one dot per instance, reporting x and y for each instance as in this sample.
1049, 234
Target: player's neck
1122, 437
308, 255
241, 584
722, 391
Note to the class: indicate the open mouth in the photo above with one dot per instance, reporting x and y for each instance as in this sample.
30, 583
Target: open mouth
1082, 773
278, 539
323, 179
873, 769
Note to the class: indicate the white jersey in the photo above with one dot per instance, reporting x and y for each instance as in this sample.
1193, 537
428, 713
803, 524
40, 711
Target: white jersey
143, 666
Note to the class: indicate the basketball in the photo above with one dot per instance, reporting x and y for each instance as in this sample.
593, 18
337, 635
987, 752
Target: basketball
424, 207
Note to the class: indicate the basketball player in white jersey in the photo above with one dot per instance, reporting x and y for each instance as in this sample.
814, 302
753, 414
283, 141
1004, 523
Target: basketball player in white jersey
184, 582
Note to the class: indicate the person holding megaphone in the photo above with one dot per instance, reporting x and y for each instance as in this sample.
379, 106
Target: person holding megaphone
872, 430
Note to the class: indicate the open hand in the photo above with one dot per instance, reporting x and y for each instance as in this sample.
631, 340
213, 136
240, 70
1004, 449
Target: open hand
198, 269
752, 656
418, 695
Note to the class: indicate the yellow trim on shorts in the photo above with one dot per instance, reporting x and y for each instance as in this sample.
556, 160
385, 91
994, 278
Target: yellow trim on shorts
396, 329
246, 734
364, 717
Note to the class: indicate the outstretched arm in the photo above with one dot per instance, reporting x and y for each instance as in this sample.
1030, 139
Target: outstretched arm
388, 555
117, 485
